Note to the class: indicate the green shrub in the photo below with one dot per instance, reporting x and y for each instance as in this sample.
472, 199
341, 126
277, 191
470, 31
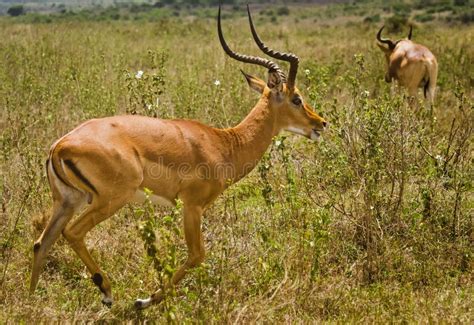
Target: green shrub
136, 8
269, 12
396, 23
402, 8
467, 17
283, 11
16, 10
372, 19
423, 18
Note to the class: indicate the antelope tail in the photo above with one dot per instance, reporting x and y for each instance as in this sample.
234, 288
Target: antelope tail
425, 87
430, 84
62, 213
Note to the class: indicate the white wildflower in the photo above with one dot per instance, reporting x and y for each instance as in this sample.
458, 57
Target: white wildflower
217, 83
139, 74
307, 72
367, 93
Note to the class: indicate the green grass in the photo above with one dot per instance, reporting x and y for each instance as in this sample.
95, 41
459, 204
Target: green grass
373, 224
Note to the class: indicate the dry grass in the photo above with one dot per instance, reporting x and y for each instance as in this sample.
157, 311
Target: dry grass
374, 224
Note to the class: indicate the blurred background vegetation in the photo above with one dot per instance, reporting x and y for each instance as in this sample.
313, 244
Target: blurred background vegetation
399, 11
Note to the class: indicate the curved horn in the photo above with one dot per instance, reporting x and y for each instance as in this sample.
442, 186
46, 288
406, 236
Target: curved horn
409, 33
288, 57
241, 57
383, 40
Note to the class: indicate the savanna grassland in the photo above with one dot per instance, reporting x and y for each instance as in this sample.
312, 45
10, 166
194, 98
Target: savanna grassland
372, 224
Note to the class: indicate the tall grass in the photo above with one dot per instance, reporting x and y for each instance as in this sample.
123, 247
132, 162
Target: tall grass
374, 223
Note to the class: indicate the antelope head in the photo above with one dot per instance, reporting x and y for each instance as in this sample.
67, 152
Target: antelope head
279, 91
390, 47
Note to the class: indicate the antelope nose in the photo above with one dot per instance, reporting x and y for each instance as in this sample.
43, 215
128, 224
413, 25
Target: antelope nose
325, 124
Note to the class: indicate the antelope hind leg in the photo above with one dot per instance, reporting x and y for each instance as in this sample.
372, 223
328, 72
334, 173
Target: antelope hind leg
75, 233
62, 213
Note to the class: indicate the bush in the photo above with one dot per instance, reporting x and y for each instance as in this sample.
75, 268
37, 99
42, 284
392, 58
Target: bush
135, 8
269, 13
424, 18
402, 8
461, 2
283, 11
467, 17
422, 4
372, 19
16, 10
396, 22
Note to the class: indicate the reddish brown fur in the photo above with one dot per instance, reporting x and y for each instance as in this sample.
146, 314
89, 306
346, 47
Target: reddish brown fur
412, 66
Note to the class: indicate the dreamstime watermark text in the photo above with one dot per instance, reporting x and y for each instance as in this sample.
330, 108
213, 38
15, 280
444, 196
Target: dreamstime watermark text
205, 171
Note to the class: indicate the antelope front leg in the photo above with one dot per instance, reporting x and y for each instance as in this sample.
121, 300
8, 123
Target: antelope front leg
196, 253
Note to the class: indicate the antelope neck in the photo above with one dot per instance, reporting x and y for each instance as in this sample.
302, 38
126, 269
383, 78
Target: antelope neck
250, 138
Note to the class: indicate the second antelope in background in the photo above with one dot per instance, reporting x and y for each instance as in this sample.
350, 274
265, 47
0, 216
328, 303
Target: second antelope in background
412, 65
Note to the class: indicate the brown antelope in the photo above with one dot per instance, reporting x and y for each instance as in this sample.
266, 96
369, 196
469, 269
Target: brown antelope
106, 163
411, 64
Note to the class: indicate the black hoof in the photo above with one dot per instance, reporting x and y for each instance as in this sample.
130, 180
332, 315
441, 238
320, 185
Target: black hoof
138, 304
107, 302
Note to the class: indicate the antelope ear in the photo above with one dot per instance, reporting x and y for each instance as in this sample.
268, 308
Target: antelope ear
383, 48
255, 83
274, 81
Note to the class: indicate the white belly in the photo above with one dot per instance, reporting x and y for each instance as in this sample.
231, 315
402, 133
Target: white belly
140, 197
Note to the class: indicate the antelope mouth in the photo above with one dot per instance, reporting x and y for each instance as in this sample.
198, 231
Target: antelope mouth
315, 134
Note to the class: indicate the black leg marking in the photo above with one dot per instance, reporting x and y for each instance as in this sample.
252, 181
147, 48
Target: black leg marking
97, 278
79, 175
36, 247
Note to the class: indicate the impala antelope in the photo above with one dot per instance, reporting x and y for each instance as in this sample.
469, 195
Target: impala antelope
412, 65
103, 164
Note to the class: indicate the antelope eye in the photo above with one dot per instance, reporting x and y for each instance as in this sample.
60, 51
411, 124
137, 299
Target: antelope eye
296, 101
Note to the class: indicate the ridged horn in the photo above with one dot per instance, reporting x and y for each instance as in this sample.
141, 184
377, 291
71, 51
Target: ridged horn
288, 57
390, 44
270, 65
